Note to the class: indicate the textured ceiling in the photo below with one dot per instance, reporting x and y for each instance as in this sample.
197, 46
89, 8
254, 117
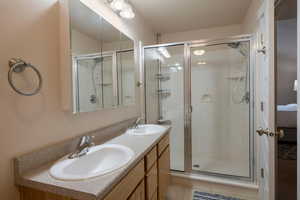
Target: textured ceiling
166, 16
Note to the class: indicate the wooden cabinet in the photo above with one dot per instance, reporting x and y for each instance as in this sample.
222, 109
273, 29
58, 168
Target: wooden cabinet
155, 196
163, 173
151, 182
151, 158
147, 180
139, 193
128, 183
163, 144
33, 194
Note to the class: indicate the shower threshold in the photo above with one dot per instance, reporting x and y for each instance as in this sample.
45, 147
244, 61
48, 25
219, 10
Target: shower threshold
190, 176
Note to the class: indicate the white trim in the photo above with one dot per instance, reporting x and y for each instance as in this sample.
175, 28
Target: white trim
298, 100
217, 180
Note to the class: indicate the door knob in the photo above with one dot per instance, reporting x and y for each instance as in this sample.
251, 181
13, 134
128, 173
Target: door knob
267, 132
262, 131
279, 133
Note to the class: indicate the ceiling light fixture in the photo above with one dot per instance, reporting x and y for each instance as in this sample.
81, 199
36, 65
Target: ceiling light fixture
123, 8
127, 12
164, 52
200, 52
201, 63
117, 5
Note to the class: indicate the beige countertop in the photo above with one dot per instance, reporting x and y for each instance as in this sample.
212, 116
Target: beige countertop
95, 188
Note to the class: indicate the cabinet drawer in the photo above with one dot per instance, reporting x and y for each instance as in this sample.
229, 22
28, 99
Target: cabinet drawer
151, 158
139, 193
128, 183
151, 182
163, 143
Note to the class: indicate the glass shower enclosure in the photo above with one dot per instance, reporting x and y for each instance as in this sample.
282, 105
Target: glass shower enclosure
204, 91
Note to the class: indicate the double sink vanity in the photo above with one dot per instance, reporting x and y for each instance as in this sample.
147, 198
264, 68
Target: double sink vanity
133, 165
98, 72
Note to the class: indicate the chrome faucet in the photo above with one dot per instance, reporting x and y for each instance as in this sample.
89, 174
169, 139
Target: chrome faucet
83, 147
136, 123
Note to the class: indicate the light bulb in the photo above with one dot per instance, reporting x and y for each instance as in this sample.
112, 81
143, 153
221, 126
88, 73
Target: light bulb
199, 52
127, 12
201, 63
117, 5
164, 52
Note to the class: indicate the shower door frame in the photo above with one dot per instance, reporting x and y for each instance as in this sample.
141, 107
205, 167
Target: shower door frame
188, 107
75, 75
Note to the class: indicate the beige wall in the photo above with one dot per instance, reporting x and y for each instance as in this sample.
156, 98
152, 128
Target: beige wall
83, 44
30, 30
250, 20
209, 33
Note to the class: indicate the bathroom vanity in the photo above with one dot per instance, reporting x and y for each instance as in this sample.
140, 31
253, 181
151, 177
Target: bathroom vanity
98, 68
145, 177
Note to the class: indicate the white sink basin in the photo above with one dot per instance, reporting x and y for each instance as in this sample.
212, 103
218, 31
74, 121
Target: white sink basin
100, 160
146, 129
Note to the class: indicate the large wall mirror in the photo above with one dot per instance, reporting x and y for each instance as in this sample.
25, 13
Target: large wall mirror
103, 62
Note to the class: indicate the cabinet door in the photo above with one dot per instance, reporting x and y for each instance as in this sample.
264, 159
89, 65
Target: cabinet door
127, 185
151, 182
139, 193
163, 174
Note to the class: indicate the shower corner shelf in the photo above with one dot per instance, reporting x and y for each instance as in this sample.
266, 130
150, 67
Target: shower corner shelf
164, 93
163, 77
105, 84
235, 78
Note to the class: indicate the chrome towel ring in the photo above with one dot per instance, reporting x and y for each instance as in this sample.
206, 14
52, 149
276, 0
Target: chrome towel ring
18, 66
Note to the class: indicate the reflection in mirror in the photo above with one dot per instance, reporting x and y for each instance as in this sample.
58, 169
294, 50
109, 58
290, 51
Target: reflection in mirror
126, 76
103, 62
124, 48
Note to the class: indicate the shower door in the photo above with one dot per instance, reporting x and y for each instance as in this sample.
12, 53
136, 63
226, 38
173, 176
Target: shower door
220, 114
205, 92
164, 89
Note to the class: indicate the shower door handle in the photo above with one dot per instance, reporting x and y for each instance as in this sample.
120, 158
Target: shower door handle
263, 50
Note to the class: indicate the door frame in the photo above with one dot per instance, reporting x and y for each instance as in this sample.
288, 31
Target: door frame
187, 99
188, 105
267, 10
298, 100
